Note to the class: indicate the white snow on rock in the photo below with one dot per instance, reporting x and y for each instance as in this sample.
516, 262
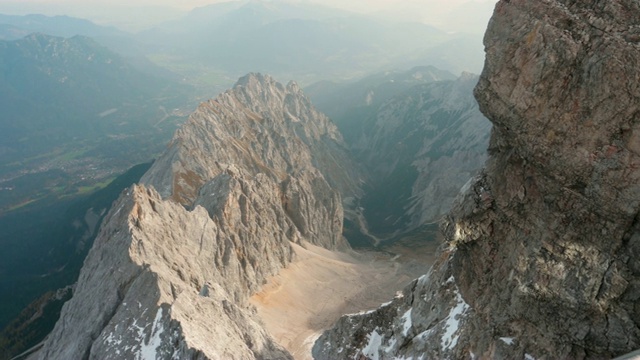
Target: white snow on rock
406, 325
452, 323
371, 351
148, 349
507, 340
391, 346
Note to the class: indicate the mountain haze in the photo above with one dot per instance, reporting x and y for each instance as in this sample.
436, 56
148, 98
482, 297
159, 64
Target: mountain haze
74, 104
297, 40
66, 84
541, 248
419, 134
15, 27
248, 215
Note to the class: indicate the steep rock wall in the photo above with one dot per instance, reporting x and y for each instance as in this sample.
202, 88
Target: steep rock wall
541, 258
261, 126
420, 135
171, 271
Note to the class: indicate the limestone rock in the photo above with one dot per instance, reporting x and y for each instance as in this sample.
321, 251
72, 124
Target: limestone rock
164, 285
453, 146
542, 247
171, 271
261, 126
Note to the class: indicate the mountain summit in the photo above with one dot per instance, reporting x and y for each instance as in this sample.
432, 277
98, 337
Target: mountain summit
250, 173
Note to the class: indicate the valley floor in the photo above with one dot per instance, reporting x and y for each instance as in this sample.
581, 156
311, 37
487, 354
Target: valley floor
320, 286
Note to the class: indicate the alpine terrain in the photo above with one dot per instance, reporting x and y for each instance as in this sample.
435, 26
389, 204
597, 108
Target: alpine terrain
420, 135
541, 253
254, 177
236, 232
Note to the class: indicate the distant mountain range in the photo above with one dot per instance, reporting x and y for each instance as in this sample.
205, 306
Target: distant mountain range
346, 101
74, 116
13, 27
55, 88
420, 135
82, 102
214, 44
303, 41
72, 106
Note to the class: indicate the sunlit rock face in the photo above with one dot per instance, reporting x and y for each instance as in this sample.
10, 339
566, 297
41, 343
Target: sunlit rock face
170, 274
541, 254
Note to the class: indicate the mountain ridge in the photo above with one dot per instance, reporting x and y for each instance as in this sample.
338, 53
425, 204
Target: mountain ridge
19, 26
540, 254
186, 259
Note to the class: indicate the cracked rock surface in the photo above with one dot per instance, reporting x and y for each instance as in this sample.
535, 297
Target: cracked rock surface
542, 249
172, 269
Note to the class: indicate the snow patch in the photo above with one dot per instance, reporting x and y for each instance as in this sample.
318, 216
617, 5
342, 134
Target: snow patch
406, 322
112, 341
452, 323
371, 351
389, 348
529, 357
507, 340
119, 208
361, 313
107, 112
149, 349
424, 336
466, 186
424, 279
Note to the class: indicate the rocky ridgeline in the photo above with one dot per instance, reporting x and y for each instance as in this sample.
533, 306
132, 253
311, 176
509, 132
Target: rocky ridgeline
261, 126
171, 270
542, 249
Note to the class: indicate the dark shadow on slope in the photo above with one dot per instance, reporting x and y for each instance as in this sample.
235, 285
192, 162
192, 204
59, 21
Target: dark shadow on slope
48, 244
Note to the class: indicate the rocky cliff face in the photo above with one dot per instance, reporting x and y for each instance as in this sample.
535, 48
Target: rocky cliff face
421, 147
171, 270
541, 258
262, 127
419, 133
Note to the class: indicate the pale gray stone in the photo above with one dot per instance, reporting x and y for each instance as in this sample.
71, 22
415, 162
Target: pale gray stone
171, 271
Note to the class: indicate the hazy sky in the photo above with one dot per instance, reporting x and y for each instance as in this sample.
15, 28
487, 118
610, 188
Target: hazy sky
189, 4
450, 15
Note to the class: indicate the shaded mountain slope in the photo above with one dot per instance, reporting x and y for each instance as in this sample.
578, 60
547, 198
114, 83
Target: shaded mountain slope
75, 114
45, 247
541, 254
419, 134
54, 89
